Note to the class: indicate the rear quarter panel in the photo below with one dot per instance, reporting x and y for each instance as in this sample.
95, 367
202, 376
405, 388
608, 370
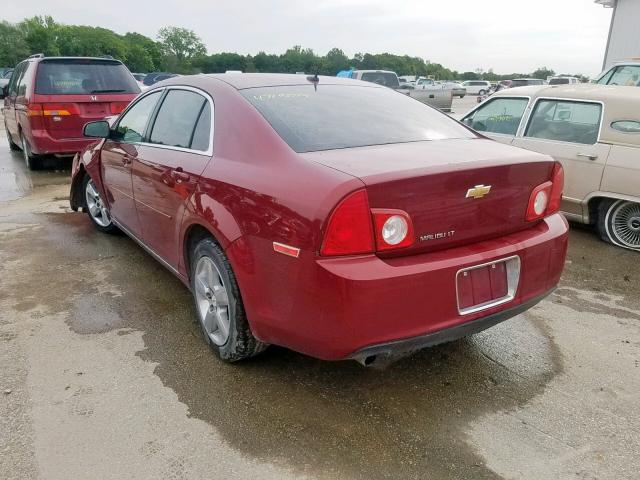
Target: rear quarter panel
622, 171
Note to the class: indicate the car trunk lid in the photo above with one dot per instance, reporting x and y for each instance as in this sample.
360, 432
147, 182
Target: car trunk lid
455, 191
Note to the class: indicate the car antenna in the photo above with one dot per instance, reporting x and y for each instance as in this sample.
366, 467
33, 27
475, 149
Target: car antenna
314, 79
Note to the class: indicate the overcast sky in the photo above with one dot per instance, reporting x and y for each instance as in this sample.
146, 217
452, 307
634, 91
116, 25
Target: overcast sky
509, 36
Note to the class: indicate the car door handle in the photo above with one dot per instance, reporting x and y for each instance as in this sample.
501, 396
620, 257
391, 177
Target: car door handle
590, 156
126, 159
179, 176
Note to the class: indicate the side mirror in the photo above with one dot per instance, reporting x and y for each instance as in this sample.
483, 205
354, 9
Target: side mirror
4, 92
99, 129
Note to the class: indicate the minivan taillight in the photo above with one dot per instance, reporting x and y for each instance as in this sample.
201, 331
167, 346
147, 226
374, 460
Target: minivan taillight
545, 198
349, 230
59, 109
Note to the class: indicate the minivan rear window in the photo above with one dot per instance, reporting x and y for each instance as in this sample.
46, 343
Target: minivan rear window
324, 117
83, 77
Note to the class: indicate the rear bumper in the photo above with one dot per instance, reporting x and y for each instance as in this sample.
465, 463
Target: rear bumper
42, 143
398, 348
338, 308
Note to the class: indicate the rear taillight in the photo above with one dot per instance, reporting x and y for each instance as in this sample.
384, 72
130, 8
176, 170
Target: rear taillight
557, 178
354, 228
118, 107
545, 198
349, 230
393, 229
59, 109
34, 110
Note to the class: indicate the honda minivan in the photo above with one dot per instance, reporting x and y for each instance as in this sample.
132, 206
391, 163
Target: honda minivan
49, 99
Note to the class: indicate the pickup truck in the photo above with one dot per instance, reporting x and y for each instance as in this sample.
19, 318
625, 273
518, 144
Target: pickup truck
438, 96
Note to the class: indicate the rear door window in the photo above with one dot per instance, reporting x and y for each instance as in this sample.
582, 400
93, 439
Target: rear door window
565, 121
83, 77
176, 120
500, 115
132, 124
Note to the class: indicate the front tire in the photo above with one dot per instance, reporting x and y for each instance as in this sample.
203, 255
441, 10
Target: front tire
482, 92
31, 161
619, 223
96, 208
219, 305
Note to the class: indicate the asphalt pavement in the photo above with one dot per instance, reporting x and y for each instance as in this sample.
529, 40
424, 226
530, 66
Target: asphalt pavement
104, 375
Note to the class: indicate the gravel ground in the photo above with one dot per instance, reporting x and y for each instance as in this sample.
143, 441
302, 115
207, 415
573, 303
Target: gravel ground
105, 375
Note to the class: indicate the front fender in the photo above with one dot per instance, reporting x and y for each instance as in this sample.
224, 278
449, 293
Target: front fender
85, 162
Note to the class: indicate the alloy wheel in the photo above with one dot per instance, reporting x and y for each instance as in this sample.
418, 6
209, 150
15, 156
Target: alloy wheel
212, 301
625, 223
97, 209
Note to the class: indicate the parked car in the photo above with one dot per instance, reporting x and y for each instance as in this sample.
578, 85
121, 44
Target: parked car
5, 77
457, 90
139, 76
525, 82
477, 87
624, 74
49, 99
594, 131
155, 77
436, 96
563, 80
319, 210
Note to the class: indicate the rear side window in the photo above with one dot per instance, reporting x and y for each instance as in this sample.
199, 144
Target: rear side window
202, 132
626, 126
132, 124
565, 121
558, 81
83, 77
327, 117
500, 115
176, 120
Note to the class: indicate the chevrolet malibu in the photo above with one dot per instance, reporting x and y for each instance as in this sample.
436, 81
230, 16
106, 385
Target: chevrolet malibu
331, 216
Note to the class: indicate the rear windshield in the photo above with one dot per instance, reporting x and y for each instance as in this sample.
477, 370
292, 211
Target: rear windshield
80, 77
524, 83
558, 81
341, 116
386, 79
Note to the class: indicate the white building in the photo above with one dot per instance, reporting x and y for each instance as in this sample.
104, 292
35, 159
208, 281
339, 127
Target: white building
624, 33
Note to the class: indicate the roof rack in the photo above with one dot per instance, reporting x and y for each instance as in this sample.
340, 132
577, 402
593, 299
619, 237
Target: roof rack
36, 55
110, 57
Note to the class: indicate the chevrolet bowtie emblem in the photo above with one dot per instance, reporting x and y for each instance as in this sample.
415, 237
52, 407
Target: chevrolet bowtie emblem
478, 191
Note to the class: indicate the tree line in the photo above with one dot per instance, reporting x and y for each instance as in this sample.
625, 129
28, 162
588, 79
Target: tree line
180, 50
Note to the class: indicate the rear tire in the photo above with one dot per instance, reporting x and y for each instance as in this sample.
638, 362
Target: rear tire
619, 223
482, 92
219, 306
95, 207
12, 145
31, 161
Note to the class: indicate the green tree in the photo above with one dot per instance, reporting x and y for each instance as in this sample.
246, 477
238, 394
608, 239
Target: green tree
40, 34
334, 61
181, 46
143, 54
13, 47
543, 72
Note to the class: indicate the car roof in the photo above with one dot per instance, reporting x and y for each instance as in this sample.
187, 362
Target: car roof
55, 59
620, 103
241, 81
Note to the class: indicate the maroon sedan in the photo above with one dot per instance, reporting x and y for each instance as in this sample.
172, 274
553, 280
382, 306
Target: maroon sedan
331, 216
